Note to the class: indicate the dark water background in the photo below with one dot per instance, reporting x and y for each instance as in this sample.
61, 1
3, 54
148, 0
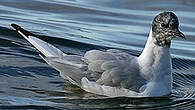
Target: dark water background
75, 26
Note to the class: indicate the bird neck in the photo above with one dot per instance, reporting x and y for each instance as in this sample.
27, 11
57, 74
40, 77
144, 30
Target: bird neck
154, 60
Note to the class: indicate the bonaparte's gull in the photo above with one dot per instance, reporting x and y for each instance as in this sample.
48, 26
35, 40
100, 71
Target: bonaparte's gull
115, 73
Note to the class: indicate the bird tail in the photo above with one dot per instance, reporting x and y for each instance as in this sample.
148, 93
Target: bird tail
69, 66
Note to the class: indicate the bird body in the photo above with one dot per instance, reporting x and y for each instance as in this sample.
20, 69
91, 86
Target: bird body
115, 73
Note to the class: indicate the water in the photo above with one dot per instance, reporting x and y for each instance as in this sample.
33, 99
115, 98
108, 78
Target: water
75, 26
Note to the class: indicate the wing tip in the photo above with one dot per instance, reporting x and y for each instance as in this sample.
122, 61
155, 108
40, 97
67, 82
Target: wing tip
19, 28
15, 26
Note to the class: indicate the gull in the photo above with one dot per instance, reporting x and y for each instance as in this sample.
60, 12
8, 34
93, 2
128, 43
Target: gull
115, 73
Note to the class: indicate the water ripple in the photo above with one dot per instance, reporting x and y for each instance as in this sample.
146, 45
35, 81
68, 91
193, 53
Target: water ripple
76, 26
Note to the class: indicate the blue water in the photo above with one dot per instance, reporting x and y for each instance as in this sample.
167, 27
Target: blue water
76, 26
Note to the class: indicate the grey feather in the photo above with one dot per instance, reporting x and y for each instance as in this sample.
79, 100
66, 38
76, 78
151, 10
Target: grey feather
106, 68
68, 68
120, 73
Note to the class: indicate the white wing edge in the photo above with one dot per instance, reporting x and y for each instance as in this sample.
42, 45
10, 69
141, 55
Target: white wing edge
96, 88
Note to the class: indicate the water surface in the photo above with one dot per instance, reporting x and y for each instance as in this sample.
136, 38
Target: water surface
76, 26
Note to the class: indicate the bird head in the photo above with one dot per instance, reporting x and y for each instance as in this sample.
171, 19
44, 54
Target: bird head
165, 28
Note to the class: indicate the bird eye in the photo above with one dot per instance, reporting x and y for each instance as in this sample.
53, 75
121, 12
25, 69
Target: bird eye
163, 25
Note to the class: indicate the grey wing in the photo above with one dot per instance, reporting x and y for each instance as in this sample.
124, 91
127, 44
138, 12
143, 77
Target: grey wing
106, 68
117, 68
74, 68
122, 73
71, 67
